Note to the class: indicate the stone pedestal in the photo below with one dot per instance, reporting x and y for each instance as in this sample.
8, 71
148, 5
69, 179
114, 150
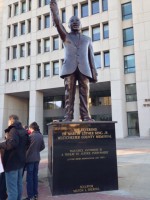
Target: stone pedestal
82, 157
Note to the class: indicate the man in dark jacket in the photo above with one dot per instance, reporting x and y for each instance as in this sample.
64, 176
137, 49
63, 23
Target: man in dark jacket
15, 148
78, 64
33, 159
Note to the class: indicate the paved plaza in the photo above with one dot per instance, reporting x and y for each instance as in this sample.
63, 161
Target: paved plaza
133, 156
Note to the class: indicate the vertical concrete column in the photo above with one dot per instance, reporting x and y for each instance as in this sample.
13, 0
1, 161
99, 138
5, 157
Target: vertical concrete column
90, 8
79, 10
76, 105
118, 108
36, 108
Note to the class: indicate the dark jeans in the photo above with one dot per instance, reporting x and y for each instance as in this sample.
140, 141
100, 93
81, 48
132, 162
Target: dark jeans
32, 179
14, 184
3, 195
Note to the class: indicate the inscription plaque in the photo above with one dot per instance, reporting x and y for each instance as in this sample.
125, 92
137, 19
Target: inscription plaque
82, 157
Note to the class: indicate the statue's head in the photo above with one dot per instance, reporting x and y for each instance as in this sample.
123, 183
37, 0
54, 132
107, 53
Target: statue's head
74, 23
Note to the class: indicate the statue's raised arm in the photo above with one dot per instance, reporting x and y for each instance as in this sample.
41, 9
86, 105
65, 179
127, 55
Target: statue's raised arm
56, 19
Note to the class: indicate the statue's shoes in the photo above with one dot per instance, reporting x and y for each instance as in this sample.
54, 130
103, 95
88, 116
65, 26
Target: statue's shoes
88, 119
67, 120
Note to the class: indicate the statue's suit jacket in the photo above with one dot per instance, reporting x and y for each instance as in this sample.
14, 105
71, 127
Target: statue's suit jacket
77, 53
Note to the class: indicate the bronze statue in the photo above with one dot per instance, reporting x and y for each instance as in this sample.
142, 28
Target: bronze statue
78, 64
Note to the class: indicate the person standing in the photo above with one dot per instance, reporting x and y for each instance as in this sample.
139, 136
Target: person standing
78, 64
32, 161
14, 147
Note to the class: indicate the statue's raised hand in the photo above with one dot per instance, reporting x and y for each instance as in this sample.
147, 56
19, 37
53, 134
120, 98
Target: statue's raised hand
53, 3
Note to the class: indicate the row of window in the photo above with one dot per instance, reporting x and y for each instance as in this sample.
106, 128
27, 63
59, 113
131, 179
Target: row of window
23, 73
24, 27
16, 51
129, 67
26, 5
57, 102
19, 8
55, 68
128, 40
96, 6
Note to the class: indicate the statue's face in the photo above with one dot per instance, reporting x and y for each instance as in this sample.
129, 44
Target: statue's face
74, 23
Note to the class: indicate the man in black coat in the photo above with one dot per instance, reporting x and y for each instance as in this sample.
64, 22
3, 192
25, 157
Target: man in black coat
15, 146
78, 64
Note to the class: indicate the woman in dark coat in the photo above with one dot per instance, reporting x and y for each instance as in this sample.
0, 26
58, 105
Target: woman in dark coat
32, 160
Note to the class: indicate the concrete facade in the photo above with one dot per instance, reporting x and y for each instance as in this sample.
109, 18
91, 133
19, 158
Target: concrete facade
25, 95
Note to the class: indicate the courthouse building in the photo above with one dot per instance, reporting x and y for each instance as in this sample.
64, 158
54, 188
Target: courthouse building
31, 56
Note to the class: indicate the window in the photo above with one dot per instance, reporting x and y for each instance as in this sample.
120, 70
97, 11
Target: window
95, 7
85, 32
39, 3
29, 48
55, 43
75, 9
9, 11
14, 52
97, 59
128, 38
21, 73
46, 69
105, 31
131, 92
22, 28
98, 100
39, 46
8, 53
14, 74
63, 16
22, 50
39, 23
29, 26
126, 11
28, 72
54, 102
9, 31
30, 5
96, 33
47, 21
46, 45
129, 64
104, 5
47, 2
39, 70
15, 30
106, 59
84, 10
7, 75
133, 123
56, 68
23, 7
16, 9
